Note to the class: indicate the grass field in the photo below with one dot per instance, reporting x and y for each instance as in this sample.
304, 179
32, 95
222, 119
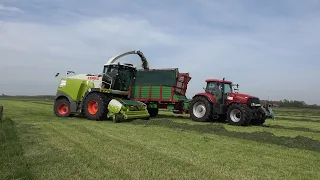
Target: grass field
37, 145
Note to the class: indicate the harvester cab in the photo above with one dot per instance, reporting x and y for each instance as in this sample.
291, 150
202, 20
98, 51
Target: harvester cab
102, 96
118, 76
220, 101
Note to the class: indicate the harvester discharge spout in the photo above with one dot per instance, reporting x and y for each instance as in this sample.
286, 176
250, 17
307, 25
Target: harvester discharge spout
145, 64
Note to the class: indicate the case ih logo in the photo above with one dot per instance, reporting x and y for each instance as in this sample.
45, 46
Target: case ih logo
93, 78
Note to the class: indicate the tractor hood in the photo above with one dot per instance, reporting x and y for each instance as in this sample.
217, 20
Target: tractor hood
243, 98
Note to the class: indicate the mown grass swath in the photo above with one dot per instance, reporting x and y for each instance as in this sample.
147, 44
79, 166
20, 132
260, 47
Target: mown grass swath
37, 145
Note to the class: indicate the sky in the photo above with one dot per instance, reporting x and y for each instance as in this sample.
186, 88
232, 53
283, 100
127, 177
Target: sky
270, 48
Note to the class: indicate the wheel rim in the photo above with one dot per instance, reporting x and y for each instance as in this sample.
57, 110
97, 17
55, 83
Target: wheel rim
199, 109
63, 109
235, 115
93, 107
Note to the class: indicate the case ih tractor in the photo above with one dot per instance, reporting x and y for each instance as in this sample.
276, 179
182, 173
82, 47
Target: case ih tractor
103, 96
221, 102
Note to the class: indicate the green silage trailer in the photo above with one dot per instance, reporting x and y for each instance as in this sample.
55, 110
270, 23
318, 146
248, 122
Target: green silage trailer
161, 89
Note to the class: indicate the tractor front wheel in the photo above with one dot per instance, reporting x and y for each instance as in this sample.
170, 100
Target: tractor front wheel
261, 118
238, 114
200, 109
62, 107
96, 106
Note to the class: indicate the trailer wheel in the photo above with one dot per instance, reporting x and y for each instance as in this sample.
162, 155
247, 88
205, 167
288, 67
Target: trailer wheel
96, 106
153, 112
62, 107
200, 109
238, 114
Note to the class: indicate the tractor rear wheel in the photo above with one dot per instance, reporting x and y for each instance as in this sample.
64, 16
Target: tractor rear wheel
62, 107
200, 109
238, 114
96, 106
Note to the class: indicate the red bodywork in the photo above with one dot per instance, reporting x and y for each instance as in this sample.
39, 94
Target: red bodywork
237, 97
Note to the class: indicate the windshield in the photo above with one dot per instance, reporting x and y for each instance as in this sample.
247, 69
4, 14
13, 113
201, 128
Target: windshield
121, 76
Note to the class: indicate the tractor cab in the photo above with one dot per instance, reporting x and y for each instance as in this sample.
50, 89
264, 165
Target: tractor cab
219, 89
118, 76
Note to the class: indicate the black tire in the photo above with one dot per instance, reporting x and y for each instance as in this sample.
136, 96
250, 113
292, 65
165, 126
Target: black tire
197, 101
153, 112
1, 112
261, 118
62, 107
244, 117
95, 106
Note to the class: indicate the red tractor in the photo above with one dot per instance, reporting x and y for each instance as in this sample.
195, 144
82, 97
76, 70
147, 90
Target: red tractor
221, 102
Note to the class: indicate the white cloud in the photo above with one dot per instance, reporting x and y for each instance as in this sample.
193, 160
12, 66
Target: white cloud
265, 55
9, 9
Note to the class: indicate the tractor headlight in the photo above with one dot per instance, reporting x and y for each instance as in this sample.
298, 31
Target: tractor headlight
230, 98
254, 104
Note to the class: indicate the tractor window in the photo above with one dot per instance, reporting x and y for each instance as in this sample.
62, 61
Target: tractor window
227, 88
211, 86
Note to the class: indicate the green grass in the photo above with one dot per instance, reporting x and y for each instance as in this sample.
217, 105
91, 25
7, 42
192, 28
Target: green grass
37, 145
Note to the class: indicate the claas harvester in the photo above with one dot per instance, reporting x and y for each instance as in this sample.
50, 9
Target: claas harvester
102, 96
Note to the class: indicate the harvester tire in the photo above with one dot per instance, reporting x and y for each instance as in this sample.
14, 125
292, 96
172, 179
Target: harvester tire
96, 106
62, 107
238, 115
153, 112
200, 109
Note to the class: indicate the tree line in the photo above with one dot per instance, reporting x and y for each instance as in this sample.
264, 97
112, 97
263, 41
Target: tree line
290, 103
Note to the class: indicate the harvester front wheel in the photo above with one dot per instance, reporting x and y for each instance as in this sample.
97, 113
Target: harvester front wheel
62, 107
238, 114
200, 109
96, 106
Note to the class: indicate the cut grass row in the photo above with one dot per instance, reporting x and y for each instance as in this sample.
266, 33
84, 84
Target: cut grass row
168, 147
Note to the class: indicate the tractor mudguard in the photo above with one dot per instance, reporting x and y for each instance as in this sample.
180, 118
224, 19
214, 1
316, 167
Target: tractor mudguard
208, 96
